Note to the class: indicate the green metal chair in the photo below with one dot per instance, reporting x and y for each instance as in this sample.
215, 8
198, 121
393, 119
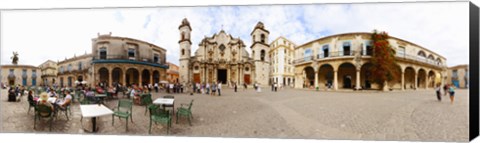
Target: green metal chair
147, 101
123, 110
185, 111
159, 115
30, 105
43, 111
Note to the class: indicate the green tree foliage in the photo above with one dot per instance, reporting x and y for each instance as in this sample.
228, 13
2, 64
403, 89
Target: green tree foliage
383, 59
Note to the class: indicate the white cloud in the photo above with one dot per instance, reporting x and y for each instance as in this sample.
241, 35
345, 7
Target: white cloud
55, 34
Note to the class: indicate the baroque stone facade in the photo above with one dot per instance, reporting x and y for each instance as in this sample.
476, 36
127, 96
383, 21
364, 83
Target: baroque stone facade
224, 58
25, 75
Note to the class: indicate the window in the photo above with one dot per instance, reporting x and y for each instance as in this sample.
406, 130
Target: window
11, 71
454, 74
346, 48
24, 72
103, 53
401, 51
69, 67
131, 53
325, 51
61, 69
34, 77
262, 55
262, 38
155, 58
80, 66
307, 54
246, 68
422, 55
368, 48
253, 38
183, 52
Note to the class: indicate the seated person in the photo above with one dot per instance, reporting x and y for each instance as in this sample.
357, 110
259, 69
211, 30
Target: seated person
44, 101
30, 96
11, 95
65, 102
52, 94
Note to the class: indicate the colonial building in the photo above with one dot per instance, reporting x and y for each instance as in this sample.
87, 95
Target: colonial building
74, 70
223, 58
49, 72
281, 56
458, 76
126, 61
172, 73
343, 61
26, 75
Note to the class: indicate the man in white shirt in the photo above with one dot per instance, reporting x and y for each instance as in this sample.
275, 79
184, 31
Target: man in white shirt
156, 87
171, 87
219, 88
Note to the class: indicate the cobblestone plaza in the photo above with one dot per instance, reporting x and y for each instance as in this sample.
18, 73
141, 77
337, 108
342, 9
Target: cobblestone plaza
288, 113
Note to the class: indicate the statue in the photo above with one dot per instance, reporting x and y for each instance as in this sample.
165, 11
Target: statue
14, 58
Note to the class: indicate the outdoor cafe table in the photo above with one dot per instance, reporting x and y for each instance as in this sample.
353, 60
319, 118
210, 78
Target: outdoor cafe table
101, 97
93, 111
164, 101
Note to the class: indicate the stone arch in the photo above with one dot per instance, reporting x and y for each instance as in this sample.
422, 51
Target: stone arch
117, 75
365, 77
132, 76
145, 77
309, 76
409, 76
421, 78
325, 75
103, 75
156, 76
431, 79
347, 75
396, 82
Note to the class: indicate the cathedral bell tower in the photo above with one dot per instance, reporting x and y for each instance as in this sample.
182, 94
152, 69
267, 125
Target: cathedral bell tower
260, 49
185, 48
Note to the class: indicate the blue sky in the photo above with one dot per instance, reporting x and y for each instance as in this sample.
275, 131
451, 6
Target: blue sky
65, 33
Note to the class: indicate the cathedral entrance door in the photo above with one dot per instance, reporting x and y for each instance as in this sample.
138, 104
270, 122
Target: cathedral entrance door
222, 76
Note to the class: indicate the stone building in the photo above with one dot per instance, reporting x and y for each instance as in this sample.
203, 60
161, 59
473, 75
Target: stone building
126, 61
26, 75
224, 58
75, 69
49, 72
281, 56
343, 62
458, 76
172, 73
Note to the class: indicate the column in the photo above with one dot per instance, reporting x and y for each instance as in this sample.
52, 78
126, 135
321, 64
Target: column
124, 78
403, 80
141, 78
151, 77
427, 79
335, 80
357, 80
109, 78
416, 81
316, 79
92, 83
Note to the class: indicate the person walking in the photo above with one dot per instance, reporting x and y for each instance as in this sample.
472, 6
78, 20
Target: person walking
219, 87
235, 87
214, 89
276, 86
208, 88
273, 86
156, 87
437, 89
451, 90
244, 86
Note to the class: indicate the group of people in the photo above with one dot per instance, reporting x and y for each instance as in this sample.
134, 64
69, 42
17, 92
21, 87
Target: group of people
175, 88
15, 92
450, 89
208, 88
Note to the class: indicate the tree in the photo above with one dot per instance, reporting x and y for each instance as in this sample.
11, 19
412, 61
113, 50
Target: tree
384, 67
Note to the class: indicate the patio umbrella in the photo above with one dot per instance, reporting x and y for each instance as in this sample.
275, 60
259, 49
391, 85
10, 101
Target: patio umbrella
76, 82
84, 82
163, 81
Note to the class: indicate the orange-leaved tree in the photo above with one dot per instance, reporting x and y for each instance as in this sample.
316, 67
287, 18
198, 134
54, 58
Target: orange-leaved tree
384, 67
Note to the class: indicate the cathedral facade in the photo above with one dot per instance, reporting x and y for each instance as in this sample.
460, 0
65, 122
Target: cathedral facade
223, 58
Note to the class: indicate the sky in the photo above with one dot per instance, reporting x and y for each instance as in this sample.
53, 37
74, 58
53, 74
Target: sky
56, 34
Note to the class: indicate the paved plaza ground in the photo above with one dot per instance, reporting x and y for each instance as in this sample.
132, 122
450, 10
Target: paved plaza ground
288, 113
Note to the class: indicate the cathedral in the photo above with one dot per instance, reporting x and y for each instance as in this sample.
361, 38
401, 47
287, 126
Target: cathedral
223, 58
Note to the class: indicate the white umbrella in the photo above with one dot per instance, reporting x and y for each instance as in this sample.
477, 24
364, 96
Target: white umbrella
163, 81
76, 82
84, 82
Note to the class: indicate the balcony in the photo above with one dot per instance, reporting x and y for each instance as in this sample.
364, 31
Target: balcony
331, 55
126, 59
